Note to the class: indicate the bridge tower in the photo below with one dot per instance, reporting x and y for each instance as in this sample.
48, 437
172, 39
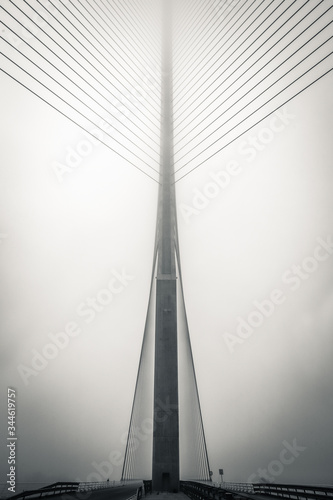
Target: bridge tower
166, 326
166, 427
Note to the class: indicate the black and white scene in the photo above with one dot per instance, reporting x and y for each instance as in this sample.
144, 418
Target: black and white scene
166, 249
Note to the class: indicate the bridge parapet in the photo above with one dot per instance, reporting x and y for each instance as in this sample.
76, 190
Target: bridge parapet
244, 487
204, 491
60, 488
51, 490
98, 485
234, 491
294, 491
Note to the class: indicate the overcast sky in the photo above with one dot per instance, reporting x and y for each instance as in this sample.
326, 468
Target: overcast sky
256, 230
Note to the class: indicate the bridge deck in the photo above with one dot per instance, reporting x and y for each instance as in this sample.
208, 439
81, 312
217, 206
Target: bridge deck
167, 496
183, 496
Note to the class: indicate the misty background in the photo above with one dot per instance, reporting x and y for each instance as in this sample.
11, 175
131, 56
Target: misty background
65, 235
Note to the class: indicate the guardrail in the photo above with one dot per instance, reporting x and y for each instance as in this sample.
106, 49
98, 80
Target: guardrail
294, 491
243, 487
51, 490
240, 487
98, 485
64, 487
203, 491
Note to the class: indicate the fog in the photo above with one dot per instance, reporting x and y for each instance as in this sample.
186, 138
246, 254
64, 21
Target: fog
262, 241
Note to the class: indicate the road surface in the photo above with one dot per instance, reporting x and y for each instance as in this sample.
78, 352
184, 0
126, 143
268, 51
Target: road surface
112, 493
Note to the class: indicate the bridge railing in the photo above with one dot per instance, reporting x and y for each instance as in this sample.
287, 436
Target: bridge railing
61, 488
205, 491
294, 491
51, 490
197, 490
98, 485
245, 487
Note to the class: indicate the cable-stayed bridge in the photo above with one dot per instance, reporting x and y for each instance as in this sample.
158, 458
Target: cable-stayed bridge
167, 86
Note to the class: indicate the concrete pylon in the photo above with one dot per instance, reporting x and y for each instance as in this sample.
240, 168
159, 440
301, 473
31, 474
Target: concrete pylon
166, 415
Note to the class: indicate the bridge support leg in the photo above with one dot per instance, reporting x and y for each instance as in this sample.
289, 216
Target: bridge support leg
166, 426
